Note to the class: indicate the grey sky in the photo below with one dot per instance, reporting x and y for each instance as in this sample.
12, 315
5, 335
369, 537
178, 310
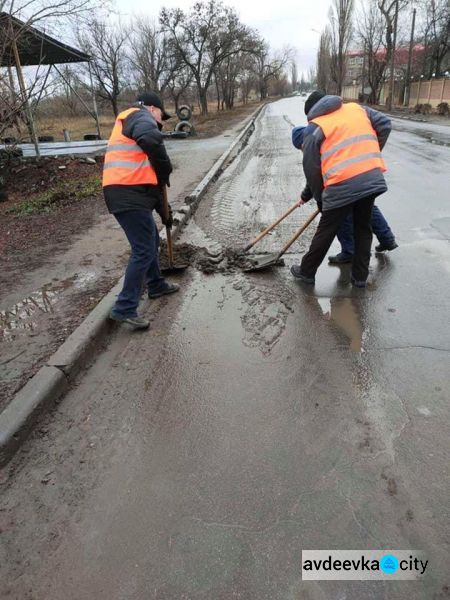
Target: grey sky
280, 22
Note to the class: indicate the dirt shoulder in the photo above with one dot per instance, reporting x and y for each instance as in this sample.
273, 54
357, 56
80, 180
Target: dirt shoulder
60, 250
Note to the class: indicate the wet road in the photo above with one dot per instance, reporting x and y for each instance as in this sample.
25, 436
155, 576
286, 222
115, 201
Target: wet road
255, 419
39, 309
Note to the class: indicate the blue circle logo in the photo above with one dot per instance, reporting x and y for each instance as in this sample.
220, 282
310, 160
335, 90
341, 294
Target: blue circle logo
389, 564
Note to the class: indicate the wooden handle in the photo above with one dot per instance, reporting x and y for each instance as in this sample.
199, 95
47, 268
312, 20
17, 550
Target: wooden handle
298, 234
168, 231
169, 247
165, 204
268, 229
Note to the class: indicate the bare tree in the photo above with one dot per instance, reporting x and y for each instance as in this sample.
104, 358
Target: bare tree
106, 43
179, 83
17, 94
150, 55
269, 66
247, 78
294, 76
204, 37
370, 33
324, 61
66, 83
311, 78
48, 12
227, 77
279, 85
436, 35
340, 33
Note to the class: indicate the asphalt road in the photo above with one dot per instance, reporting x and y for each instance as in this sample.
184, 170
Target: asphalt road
256, 418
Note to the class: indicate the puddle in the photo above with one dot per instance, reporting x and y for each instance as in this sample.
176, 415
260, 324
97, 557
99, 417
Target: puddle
23, 316
344, 315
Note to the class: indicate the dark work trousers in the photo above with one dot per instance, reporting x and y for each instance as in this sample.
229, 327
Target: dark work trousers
143, 266
330, 221
380, 229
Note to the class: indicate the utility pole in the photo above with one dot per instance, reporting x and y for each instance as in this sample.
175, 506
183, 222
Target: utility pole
408, 70
394, 48
363, 73
23, 91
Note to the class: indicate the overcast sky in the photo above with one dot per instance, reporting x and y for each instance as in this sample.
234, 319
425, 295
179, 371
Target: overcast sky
280, 22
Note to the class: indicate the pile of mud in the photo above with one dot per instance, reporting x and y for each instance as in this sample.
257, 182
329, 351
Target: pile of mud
227, 260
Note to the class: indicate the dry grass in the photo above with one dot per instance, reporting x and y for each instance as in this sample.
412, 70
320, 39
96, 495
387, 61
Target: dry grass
205, 125
215, 122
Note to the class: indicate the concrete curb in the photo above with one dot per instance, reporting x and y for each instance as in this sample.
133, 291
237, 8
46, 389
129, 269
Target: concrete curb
184, 213
17, 419
52, 380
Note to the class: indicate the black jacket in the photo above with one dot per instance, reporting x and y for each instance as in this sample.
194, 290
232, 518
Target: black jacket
141, 127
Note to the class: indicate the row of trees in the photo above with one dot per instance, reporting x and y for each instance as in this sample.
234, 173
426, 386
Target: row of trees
183, 54
378, 29
200, 55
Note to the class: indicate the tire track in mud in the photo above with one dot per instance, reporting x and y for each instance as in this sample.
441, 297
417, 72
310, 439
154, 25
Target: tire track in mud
251, 193
255, 189
267, 309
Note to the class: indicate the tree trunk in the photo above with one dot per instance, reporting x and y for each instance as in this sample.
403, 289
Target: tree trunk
203, 99
217, 92
114, 105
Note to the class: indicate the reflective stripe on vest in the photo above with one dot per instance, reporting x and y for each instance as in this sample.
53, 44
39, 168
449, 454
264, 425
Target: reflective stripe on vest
125, 161
350, 146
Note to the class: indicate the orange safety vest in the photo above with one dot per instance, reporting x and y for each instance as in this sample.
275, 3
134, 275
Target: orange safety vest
350, 146
125, 162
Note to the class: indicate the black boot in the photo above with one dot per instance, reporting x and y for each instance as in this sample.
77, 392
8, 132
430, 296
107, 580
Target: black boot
382, 246
340, 259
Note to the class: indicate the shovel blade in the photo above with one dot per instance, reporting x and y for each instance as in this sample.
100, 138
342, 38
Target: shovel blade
265, 262
174, 268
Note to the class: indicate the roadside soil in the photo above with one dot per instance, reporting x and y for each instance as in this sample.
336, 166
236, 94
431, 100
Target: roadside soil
28, 185
60, 250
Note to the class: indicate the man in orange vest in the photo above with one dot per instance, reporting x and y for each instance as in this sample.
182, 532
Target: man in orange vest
344, 168
136, 167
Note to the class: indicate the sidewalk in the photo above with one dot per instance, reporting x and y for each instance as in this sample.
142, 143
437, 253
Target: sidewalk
40, 307
437, 133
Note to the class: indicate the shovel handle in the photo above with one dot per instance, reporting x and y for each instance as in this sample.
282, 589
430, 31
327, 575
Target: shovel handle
298, 233
269, 228
168, 231
169, 247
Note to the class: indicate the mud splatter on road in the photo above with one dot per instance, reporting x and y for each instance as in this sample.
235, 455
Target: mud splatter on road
225, 261
266, 311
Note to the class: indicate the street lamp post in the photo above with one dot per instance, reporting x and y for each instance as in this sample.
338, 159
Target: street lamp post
394, 47
410, 53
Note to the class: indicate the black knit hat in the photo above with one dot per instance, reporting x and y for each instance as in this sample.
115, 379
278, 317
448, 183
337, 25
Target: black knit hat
313, 99
152, 99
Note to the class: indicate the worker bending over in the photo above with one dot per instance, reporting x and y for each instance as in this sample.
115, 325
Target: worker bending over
344, 168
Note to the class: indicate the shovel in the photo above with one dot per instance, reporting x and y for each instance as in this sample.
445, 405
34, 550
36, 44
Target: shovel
272, 259
269, 229
171, 268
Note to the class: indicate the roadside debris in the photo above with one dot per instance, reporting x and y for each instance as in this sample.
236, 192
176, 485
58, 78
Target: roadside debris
228, 260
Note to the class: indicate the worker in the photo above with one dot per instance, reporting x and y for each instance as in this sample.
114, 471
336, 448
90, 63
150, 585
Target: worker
344, 168
379, 224
136, 167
